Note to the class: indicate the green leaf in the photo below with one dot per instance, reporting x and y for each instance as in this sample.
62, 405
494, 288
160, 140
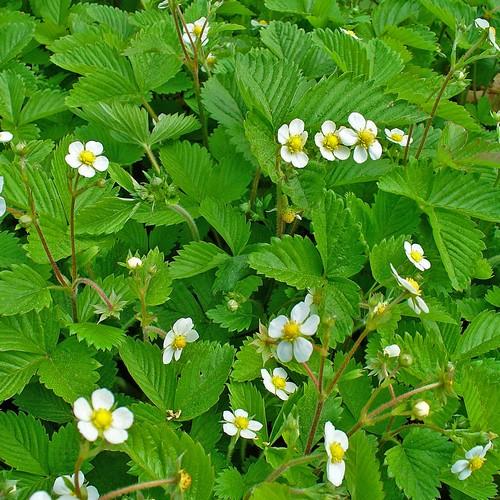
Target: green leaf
24, 443
234, 321
13, 39
391, 13
384, 254
22, 289
230, 485
248, 363
64, 449
16, 370
172, 127
145, 365
450, 12
103, 337
230, 223
363, 468
12, 252
204, 372
42, 104
481, 336
155, 451
272, 491
79, 367
417, 462
294, 261
247, 397
195, 258
338, 237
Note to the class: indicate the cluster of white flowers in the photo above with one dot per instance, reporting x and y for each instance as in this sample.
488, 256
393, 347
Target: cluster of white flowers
64, 489
415, 254
474, 460
335, 143
483, 24
87, 158
177, 338
97, 419
292, 332
239, 424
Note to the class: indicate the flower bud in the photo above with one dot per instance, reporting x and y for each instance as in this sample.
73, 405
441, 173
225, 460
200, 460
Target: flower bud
134, 262
421, 409
380, 309
233, 305
392, 351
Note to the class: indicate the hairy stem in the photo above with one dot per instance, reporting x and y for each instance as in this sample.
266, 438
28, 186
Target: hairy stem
137, 487
312, 376
150, 110
84, 451
314, 424
152, 159
189, 220
255, 186
96, 287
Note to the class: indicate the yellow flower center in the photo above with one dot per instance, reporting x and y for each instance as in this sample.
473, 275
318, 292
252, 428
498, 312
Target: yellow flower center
366, 137
87, 157
295, 144
197, 30
279, 382
291, 331
415, 286
102, 419
185, 480
350, 33
337, 453
241, 423
289, 216
476, 463
263, 22
397, 137
211, 59
179, 342
331, 142
416, 256
380, 308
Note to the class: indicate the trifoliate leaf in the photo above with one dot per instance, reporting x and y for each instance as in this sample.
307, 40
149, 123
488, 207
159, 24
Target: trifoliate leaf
103, 337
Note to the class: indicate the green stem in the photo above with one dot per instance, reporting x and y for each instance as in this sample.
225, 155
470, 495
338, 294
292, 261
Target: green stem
315, 422
230, 448
255, 186
152, 159
291, 463
137, 487
189, 220
96, 287
84, 451
312, 376
150, 110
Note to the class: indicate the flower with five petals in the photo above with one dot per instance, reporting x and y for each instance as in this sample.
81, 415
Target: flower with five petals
329, 144
87, 158
474, 460
293, 138
238, 424
182, 333
363, 136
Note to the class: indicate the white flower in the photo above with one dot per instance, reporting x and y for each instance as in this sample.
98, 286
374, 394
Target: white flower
87, 158
259, 23
196, 31
483, 24
238, 424
293, 139
415, 302
99, 420
474, 461
350, 33
177, 338
397, 136
421, 409
363, 137
3, 205
163, 5
392, 351
291, 332
64, 487
415, 254
134, 262
336, 444
40, 495
277, 383
328, 142
6, 136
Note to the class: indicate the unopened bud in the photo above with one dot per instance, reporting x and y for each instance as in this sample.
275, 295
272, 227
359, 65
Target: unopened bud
233, 305
392, 351
406, 360
421, 409
134, 263
380, 309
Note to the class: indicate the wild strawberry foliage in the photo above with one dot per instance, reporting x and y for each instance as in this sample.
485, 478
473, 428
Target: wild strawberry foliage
248, 249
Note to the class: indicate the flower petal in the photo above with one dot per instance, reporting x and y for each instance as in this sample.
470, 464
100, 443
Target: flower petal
3, 206
82, 409
286, 155
375, 150
360, 155
60, 487
474, 452
300, 312
40, 495
327, 154
280, 372
371, 127
335, 472
290, 387
283, 134
357, 121
73, 160
101, 163
92, 493
228, 416
94, 147
183, 325
169, 338
87, 430
348, 137
296, 126
464, 474
102, 398
481, 23
342, 152
75, 148
6, 136
340, 437
192, 336
459, 466
302, 349
318, 139
230, 429
254, 425
86, 171
310, 326
115, 436
422, 305
123, 418
248, 434
177, 354
241, 413
281, 394
275, 329
328, 127
300, 159
329, 429
284, 351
